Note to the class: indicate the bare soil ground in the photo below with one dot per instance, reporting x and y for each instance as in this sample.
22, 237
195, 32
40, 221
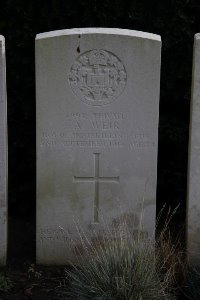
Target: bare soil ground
29, 281
36, 283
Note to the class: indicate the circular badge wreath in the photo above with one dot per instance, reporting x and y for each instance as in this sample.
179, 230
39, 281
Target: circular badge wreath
97, 77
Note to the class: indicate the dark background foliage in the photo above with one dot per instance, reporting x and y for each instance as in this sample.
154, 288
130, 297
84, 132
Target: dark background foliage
175, 20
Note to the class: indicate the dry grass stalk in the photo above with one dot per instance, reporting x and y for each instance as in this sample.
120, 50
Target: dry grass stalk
120, 266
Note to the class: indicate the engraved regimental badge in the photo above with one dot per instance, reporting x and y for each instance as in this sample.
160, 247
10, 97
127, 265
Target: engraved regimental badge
97, 77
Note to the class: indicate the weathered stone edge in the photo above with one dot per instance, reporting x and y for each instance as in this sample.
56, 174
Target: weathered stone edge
114, 31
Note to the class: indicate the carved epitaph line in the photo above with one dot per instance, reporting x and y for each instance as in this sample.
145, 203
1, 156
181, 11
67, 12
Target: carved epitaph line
96, 179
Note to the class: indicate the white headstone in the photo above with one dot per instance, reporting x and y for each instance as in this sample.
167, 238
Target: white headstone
193, 206
97, 132
3, 155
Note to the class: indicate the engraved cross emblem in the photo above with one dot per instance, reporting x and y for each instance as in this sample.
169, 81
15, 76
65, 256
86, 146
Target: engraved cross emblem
96, 179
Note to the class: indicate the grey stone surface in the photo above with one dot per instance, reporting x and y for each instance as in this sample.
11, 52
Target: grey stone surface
3, 155
97, 131
194, 161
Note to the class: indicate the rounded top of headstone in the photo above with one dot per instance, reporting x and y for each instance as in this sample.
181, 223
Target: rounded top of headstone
114, 31
2, 44
2, 38
197, 36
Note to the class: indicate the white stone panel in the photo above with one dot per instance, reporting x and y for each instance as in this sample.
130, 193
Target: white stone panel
97, 134
3, 155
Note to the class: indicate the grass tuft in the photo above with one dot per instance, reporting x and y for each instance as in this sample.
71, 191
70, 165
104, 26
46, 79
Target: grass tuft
5, 284
118, 266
